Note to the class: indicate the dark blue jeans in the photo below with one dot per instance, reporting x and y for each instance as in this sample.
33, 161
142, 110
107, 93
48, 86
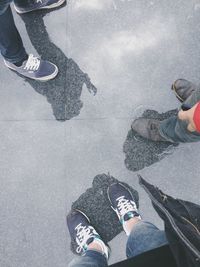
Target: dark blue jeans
144, 237
11, 45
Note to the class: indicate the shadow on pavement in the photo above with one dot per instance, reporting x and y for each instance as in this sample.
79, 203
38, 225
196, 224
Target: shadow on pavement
140, 152
64, 92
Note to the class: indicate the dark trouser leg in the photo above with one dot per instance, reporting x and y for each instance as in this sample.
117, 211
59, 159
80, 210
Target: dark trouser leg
176, 130
90, 259
11, 45
21, 3
144, 237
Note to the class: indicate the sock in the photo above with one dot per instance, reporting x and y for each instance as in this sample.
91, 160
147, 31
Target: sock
130, 215
19, 63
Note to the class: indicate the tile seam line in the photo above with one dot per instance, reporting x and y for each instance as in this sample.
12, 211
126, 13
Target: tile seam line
85, 119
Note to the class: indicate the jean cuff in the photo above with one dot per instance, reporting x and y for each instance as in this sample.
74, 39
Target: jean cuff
164, 136
18, 57
97, 255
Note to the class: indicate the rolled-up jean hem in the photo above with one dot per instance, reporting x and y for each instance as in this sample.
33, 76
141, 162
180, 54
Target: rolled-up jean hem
168, 139
91, 258
144, 237
18, 57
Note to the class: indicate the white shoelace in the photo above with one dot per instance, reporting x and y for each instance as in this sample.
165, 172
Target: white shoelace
83, 234
32, 63
124, 206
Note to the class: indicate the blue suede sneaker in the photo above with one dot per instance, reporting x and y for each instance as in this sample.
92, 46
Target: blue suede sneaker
33, 5
83, 233
123, 203
35, 68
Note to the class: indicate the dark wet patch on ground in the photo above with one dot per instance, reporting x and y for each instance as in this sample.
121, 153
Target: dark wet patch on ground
95, 204
63, 92
140, 152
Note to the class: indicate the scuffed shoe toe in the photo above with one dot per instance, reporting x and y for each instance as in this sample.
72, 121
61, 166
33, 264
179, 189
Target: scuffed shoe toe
148, 128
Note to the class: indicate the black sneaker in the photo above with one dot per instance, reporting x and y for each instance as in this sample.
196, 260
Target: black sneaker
148, 128
37, 5
183, 89
83, 233
35, 68
123, 203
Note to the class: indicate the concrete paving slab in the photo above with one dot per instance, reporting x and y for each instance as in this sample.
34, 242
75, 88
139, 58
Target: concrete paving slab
32, 174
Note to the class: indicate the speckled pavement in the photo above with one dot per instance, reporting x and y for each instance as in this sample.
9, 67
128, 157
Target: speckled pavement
115, 57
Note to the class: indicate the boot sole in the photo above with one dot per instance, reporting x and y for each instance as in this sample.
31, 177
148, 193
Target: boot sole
175, 92
59, 3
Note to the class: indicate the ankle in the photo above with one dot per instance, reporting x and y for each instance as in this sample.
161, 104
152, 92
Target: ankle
128, 225
94, 245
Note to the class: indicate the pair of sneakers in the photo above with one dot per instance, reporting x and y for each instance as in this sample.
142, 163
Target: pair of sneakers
83, 233
33, 67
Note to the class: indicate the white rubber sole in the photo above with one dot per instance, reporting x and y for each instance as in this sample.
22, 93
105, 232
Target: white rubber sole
42, 79
59, 3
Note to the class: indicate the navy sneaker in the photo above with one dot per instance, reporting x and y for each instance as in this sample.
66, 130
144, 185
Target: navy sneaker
83, 233
35, 68
123, 203
33, 5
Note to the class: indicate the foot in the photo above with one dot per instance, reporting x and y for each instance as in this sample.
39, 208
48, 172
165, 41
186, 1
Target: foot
123, 203
183, 89
35, 68
84, 234
148, 128
37, 5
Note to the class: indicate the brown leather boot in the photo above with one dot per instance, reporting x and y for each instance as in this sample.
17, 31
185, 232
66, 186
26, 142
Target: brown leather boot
148, 128
183, 89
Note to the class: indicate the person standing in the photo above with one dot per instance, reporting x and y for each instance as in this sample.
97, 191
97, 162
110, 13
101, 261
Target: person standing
11, 45
183, 128
142, 236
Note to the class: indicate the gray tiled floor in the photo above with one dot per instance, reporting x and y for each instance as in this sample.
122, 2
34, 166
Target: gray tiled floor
131, 51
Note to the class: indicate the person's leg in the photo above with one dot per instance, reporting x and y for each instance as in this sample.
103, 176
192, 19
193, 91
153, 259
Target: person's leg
22, 3
15, 56
88, 243
90, 259
12, 49
193, 98
11, 45
4, 4
175, 130
171, 130
144, 237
